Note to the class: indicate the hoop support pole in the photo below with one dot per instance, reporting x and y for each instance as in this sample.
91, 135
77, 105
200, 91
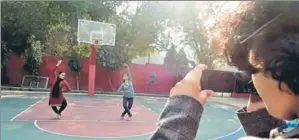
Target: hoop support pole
92, 69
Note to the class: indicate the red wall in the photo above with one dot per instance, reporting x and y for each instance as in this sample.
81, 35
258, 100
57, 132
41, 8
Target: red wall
140, 72
240, 95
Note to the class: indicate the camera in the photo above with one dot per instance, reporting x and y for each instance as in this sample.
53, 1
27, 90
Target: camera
226, 81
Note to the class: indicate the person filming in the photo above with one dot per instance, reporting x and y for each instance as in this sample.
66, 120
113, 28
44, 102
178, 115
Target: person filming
266, 46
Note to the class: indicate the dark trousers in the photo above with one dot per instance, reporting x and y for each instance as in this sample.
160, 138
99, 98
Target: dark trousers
62, 107
127, 104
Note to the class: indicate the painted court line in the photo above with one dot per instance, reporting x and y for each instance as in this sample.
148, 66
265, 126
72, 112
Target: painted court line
99, 121
27, 109
94, 106
35, 123
37, 126
227, 135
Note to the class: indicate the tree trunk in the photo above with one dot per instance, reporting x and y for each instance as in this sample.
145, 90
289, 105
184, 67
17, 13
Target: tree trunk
4, 77
78, 81
111, 84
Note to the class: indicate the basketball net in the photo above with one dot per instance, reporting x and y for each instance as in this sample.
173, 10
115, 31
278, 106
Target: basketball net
95, 42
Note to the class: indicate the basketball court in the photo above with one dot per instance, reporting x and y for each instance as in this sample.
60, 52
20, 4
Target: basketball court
98, 117
27, 117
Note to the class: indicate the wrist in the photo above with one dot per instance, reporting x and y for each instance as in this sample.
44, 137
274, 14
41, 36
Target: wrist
183, 88
253, 109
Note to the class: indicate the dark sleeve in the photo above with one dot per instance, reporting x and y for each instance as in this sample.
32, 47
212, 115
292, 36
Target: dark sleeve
179, 119
258, 123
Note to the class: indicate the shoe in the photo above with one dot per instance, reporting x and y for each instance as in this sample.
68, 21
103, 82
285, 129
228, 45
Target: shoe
130, 117
122, 118
58, 116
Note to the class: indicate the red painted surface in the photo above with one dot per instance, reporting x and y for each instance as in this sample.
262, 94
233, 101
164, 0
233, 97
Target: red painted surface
140, 72
15, 71
240, 95
92, 118
92, 71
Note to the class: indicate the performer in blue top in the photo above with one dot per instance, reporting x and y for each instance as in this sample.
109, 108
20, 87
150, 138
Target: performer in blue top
128, 92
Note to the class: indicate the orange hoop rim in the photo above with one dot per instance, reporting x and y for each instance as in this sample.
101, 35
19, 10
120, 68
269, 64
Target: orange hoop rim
96, 42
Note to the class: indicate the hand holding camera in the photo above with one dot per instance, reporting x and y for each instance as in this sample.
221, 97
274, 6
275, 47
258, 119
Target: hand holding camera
200, 83
190, 86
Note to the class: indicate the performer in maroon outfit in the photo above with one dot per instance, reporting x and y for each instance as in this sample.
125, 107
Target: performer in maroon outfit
58, 87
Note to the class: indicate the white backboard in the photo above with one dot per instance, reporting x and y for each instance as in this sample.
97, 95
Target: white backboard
88, 31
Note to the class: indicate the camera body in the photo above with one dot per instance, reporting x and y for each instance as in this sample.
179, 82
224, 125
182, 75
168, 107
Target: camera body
226, 81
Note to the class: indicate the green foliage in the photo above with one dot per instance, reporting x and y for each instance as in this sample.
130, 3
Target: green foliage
21, 19
111, 58
25, 18
33, 57
54, 24
82, 50
137, 32
4, 54
75, 64
57, 41
4, 59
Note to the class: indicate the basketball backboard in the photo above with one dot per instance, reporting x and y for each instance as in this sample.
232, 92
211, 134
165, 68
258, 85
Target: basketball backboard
89, 31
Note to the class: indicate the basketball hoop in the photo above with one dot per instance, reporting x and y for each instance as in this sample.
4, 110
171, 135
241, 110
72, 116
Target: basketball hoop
96, 42
89, 31
95, 34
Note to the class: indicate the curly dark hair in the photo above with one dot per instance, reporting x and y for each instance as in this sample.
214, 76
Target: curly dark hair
269, 31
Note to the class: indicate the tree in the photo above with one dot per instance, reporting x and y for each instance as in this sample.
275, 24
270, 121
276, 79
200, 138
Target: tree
4, 58
82, 50
71, 11
33, 57
74, 64
57, 41
190, 21
196, 36
22, 19
54, 24
137, 31
176, 62
112, 58
77, 52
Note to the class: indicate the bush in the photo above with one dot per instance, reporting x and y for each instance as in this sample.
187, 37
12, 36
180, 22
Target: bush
33, 56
